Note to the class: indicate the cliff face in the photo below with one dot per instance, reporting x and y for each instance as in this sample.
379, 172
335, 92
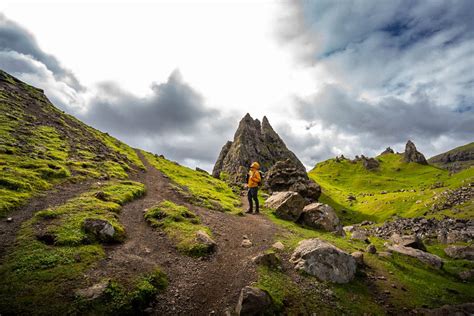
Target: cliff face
253, 141
456, 159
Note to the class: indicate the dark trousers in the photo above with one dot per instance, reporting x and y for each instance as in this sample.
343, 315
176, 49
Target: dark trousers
252, 194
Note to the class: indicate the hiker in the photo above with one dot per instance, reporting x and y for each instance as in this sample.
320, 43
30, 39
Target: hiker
253, 181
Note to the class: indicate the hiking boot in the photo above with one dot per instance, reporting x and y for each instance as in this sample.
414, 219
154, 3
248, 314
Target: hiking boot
249, 211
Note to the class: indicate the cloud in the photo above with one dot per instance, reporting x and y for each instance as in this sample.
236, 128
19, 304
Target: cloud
384, 71
172, 119
14, 38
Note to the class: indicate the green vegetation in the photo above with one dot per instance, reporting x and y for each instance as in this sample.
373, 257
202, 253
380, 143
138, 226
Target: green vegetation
422, 284
437, 160
181, 225
119, 299
200, 188
396, 189
41, 146
38, 276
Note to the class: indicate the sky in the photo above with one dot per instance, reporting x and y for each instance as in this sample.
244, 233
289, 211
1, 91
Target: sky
175, 77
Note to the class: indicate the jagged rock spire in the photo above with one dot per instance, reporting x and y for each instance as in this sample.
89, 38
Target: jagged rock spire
413, 155
253, 141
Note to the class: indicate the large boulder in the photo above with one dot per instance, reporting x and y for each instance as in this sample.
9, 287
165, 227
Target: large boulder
428, 258
100, 229
370, 163
287, 205
413, 241
253, 141
286, 176
460, 252
320, 216
203, 238
253, 301
413, 155
323, 260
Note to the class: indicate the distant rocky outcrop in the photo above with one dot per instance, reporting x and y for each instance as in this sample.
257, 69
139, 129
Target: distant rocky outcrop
413, 155
286, 176
387, 151
367, 162
456, 159
253, 141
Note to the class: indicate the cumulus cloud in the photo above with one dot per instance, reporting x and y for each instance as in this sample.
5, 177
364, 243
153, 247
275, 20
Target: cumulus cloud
172, 119
385, 71
15, 38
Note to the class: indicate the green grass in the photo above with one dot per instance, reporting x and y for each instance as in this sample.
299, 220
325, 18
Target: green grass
120, 299
38, 278
181, 225
341, 179
200, 188
424, 285
462, 164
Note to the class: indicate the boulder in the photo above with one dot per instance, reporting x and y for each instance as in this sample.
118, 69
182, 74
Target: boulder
278, 246
246, 243
413, 241
203, 238
94, 292
413, 155
460, 252
320, 216
425, 257
269, 259
323, 260
100, 229
253, 301
359, 235
287, 205
358, 257
370, 163
466, 275
371, 249
286, 176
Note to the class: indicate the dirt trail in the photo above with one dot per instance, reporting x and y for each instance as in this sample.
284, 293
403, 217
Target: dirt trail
54, 197
196, 286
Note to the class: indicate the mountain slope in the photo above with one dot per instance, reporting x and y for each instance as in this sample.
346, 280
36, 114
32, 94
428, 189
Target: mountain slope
41, 146
396, 188
456, 159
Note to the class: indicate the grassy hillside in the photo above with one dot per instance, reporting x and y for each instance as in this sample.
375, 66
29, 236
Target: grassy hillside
41, 146
395, 189
459, 158
199, 188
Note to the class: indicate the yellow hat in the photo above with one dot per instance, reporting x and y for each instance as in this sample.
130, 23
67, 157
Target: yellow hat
255, 165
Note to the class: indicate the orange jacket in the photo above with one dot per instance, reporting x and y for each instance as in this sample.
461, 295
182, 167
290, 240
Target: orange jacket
254, 176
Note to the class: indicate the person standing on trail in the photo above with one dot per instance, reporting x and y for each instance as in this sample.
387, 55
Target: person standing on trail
253, 181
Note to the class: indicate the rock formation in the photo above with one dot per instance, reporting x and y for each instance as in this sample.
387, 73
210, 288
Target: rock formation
253, 141
287, 205
320, 216
388, 150
323, 260
456, 159
286, 176
413, 155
